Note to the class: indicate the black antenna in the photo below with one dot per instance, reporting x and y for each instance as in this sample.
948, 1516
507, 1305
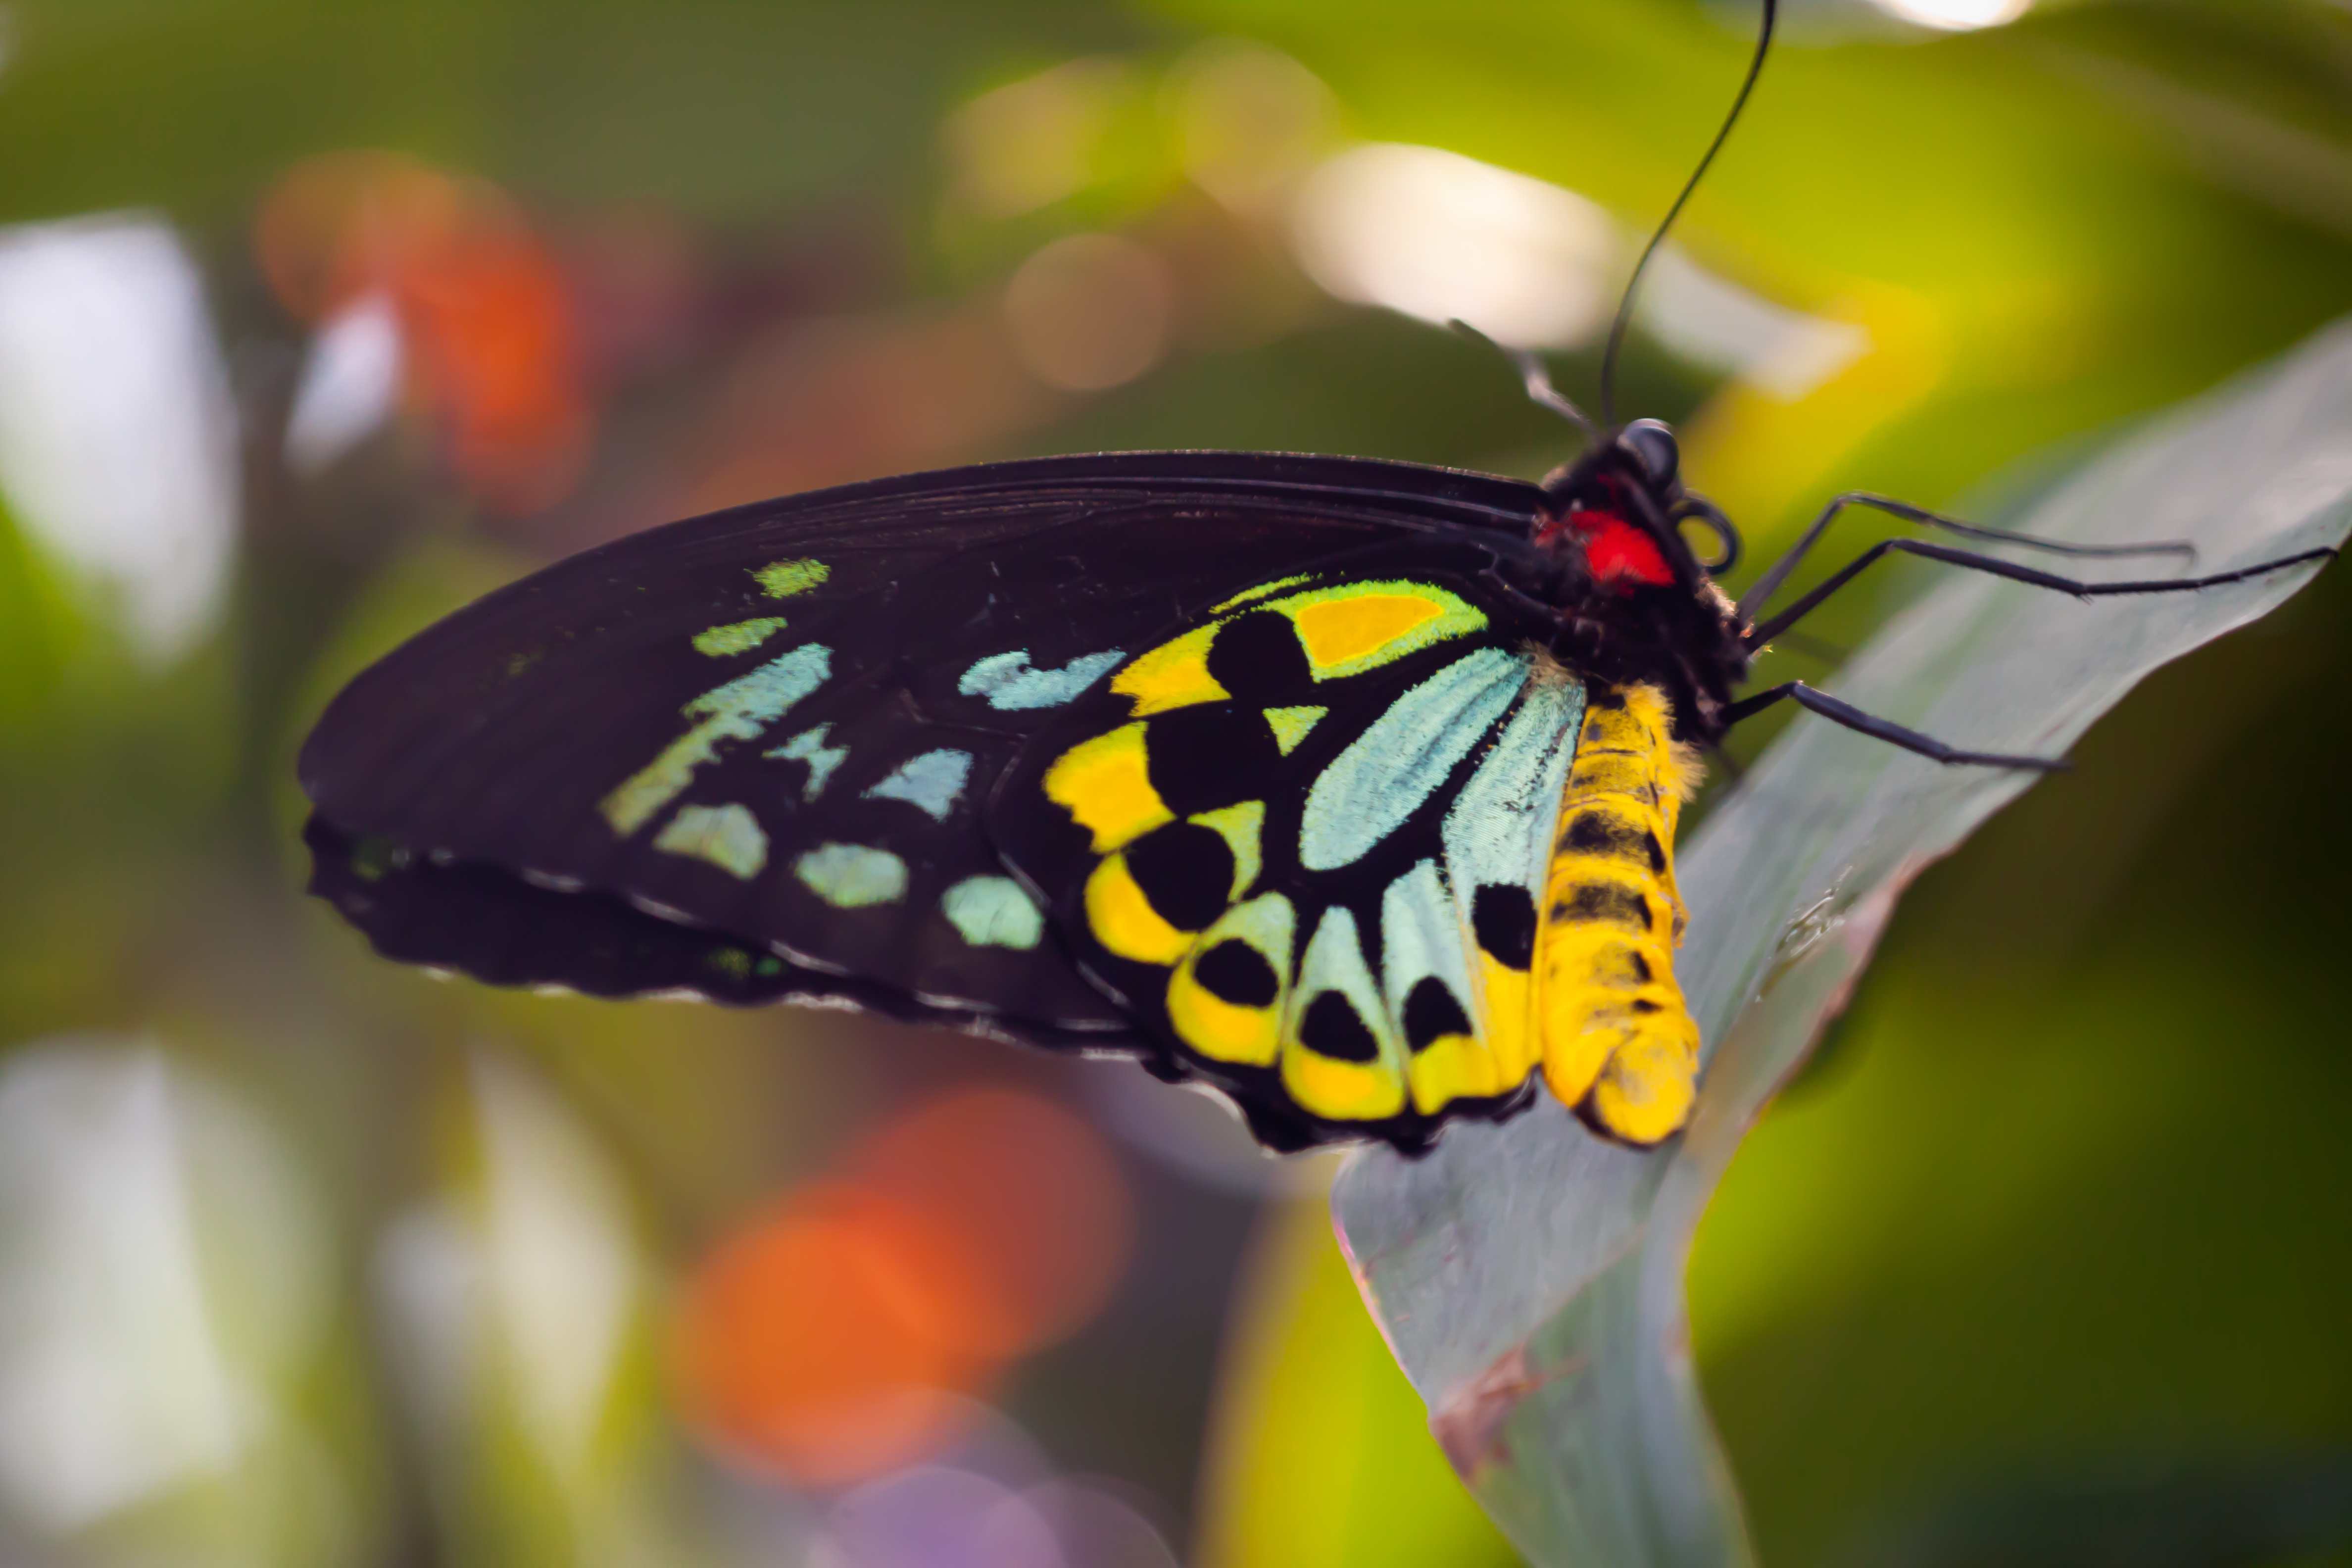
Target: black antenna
1625, 305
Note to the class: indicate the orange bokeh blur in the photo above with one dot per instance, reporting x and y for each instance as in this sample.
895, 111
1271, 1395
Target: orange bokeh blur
845, 1333
486, 312
1031, 1188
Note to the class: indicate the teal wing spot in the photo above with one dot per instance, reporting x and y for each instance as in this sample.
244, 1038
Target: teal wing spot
1499, 828
933, 781
809, 747
738, 711
1403, 755
1010, 685
740, 637
727, 836
853, 875
782, 579
1291, 725
1421, 935
994, 912
1333, 961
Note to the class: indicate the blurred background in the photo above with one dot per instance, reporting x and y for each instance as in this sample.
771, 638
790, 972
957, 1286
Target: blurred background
316, 321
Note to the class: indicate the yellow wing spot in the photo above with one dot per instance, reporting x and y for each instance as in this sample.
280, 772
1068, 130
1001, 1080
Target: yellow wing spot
1507, 996
1229, 1031
1220, 1030
1355, 627
1173, 675
1451, 1067
1106, 784
1342, 1091
1337, 631
1123, 920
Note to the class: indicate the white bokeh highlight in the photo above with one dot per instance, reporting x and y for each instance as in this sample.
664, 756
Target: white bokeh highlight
118, 439
1440, 236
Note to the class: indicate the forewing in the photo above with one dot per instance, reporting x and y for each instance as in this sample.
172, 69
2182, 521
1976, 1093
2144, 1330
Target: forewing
774, 726
1302, 837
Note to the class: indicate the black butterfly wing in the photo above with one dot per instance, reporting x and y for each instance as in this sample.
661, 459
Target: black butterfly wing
769, 728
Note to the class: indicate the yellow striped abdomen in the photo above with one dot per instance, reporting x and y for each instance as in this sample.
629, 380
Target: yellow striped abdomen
1618, 1043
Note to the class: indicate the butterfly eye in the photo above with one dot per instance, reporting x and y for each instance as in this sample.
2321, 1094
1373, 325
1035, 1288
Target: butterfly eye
1652, 445
1693, 518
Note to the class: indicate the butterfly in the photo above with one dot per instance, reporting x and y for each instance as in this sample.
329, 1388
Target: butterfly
1347, 787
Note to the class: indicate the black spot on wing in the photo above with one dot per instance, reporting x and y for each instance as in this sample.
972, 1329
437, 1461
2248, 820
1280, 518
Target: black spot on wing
1331, 1029
1503, 918
1237, 973
1257, 657
1212, 755
1186, 872
1431, 1012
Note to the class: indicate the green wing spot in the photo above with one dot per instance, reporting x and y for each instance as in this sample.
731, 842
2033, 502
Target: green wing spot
727, 836
1240, 827
1261, 591
731, 961
1291, 725
782, 579
853, 875
738, 711
994, 912
740, 637
374, 855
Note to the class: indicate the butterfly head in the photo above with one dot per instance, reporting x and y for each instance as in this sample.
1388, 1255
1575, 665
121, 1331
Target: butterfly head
1623, 509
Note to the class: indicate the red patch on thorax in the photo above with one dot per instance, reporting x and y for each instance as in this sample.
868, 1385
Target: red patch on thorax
1620, 554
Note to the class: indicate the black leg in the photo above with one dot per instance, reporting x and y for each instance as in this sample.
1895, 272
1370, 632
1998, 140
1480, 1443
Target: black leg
1760, 592
1757, 637
1893, 734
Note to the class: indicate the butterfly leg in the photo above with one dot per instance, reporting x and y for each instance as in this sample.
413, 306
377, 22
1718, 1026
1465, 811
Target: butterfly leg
1760, 592
1618, 1044
1887, 729
1757, 635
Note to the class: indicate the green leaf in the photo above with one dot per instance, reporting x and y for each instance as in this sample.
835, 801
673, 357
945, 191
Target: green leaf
1529, 1276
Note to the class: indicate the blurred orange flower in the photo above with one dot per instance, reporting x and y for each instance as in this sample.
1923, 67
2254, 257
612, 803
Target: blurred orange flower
489, 331
845, 1333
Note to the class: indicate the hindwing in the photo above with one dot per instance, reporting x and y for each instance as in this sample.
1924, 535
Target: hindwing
1303, 840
